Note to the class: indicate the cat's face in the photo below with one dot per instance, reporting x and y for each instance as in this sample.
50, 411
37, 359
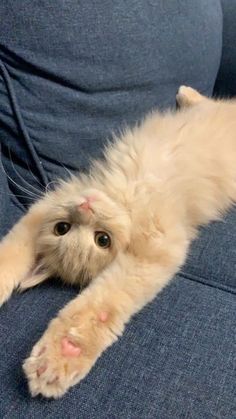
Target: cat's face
82, 234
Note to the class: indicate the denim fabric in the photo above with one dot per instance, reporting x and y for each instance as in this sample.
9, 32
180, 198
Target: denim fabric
212, 257
82, 69
10, 208
226, 80
175, 360
71, 72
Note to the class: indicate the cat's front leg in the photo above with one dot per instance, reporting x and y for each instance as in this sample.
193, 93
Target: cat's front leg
92, 322
17, 251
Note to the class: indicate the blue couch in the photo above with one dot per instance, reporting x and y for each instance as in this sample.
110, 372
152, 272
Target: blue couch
71, 72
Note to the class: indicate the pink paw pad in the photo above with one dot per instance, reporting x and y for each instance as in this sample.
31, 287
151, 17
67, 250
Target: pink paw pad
41, 370
103, 316
68, 348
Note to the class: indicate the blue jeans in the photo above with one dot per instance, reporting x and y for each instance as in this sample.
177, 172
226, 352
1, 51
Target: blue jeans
71, 73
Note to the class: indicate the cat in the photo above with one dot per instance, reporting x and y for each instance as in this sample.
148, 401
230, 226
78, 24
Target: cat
124, 229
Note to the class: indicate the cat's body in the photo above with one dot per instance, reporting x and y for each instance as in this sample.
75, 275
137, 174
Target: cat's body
127, 227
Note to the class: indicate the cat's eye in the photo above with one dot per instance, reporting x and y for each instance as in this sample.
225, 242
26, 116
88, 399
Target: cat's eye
102, 239
61, 228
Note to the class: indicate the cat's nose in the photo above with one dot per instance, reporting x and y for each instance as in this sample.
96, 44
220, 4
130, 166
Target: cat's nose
85, 205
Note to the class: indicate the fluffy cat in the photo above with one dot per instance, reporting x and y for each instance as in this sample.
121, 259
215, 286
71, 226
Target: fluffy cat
124, 229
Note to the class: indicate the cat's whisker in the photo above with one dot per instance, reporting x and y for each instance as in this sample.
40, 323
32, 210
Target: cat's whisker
67, 170
32, 194
21, 196
19, 175
49, 183
35, 178
17, 185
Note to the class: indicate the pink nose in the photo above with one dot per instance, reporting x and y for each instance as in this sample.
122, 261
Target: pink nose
85, 205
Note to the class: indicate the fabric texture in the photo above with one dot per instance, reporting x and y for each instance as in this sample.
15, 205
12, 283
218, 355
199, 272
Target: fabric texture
176, 359
71, 73
82, 70
226, 79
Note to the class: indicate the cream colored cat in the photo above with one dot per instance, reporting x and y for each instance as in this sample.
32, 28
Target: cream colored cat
125, 229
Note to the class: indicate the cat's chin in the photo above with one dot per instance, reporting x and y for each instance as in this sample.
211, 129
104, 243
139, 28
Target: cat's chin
80, 281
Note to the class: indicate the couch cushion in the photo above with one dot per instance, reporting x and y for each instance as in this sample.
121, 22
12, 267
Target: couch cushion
175, 360
82, 69
212, 257
226, 79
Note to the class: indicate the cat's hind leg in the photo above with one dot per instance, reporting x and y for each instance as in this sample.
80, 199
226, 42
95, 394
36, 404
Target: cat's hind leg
187, 96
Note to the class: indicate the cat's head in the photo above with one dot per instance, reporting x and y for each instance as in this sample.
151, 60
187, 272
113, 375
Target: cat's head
82, 233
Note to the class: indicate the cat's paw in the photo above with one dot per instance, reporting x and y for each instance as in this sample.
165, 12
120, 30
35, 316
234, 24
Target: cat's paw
67, 351
7, 279
6, 274
5, 291
13, 268
187, 96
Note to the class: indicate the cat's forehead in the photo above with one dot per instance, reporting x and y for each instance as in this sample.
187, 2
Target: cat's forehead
69, 201
72, 193
84, 207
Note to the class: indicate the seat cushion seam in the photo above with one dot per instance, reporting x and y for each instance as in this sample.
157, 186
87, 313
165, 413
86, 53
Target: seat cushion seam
207, 282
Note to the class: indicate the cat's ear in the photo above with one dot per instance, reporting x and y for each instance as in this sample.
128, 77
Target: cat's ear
33, 278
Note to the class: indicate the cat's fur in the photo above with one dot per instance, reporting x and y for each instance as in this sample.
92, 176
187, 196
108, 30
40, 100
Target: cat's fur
158, 183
